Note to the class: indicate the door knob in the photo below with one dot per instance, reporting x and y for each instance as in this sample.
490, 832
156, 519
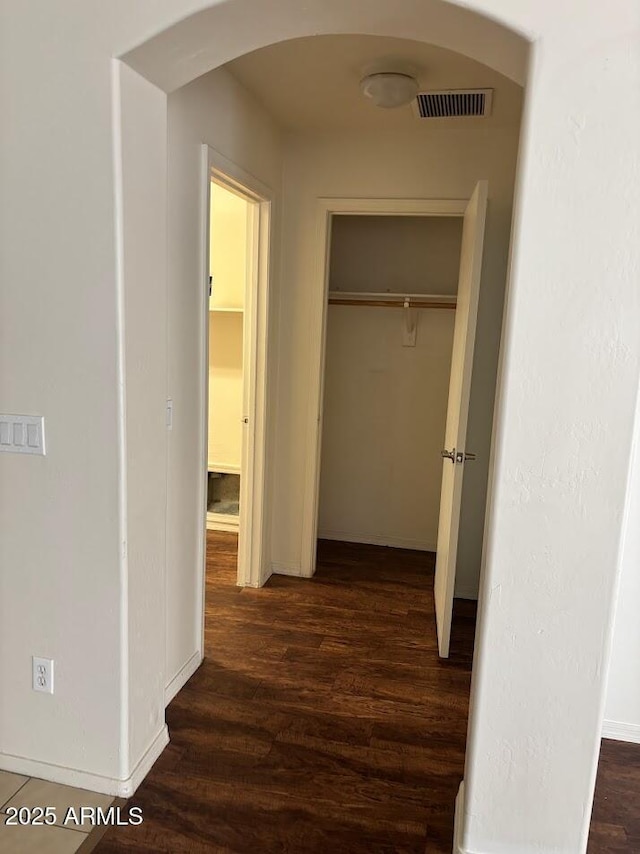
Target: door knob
448, 455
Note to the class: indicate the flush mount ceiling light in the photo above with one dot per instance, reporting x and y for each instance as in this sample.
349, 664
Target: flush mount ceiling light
389, 89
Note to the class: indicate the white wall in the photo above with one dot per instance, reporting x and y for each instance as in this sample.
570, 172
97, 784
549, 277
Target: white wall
409, 254
219, 111
385, 409
564, 428
228, 228
385, 404
225, 389
622, 712
143, 363
60, 537
440, 164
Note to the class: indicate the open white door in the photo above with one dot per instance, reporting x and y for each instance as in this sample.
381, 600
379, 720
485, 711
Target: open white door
454, 454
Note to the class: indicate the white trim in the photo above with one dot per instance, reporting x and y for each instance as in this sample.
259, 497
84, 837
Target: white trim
394, 207
266, 577
203, 381
85, 780
292, 569
379, 540
457, 822
621, 731
121, 413
328, 207
182, 677
127, 787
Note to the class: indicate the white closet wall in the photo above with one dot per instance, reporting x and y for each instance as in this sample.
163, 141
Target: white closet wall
225, 391
228, 267
385, 404
396, 253
228, 216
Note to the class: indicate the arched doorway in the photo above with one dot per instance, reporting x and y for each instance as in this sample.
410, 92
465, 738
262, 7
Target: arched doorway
219, 33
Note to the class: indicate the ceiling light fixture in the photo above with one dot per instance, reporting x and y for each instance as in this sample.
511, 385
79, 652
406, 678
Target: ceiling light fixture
389, 89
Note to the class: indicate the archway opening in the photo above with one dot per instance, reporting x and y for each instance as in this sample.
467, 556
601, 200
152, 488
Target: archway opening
175, 60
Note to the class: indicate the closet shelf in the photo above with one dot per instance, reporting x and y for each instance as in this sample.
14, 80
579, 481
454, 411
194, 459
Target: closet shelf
387, 300
223, 468
226, 309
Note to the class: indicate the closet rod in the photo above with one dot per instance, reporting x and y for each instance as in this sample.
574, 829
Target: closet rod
392, 302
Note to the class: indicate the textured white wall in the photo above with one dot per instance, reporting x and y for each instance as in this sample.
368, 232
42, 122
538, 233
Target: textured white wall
564, 428
385, 409
60, 539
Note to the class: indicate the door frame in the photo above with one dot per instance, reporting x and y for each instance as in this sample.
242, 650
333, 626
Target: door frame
252, 560
326, 210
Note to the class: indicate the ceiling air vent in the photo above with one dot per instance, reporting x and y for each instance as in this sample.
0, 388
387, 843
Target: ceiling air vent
453, 103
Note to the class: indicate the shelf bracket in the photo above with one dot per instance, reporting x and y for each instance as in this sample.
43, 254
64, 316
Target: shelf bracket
410, 324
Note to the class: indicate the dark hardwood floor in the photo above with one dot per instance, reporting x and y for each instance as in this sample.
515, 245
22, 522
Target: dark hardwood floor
615, 821
323, 720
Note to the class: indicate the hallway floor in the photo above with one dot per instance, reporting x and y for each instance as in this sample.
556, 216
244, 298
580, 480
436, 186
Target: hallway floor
323, 720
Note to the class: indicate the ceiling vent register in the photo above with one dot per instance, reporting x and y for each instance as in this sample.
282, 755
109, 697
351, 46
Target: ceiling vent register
453, 103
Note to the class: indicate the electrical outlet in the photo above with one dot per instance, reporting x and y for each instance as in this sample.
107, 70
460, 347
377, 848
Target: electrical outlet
42, 672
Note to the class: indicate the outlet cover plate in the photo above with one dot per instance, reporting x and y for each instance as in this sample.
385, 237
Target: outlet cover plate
42, 674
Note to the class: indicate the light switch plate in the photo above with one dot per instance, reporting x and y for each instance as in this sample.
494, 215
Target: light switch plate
22, 434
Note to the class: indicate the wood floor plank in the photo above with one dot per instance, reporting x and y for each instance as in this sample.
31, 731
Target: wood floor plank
322, 719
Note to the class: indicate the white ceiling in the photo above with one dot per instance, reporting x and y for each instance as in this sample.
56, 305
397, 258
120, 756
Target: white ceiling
312, 84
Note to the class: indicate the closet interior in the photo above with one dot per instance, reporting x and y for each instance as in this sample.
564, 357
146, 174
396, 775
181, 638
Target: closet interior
229, 229
389, 337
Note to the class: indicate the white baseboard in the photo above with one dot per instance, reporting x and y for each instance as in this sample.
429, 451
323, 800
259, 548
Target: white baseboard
223, 522
457, 822
85, 780
256, 585
621, 731
293, 569
182, 677
264, 574
127, 787
379, 540
267, 575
